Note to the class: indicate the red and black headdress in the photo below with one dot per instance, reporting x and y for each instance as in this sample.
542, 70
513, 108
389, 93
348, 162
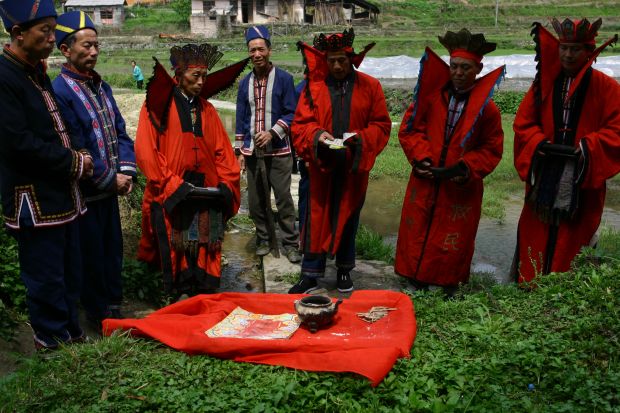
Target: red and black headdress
576, 31
194, 55
160, 89
435, 74
466, 45
335, 42
547, 55
315, 56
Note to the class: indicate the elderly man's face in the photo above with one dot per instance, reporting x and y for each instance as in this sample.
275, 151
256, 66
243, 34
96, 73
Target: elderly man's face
83, 53
339, 64
259, 53
39, 40
573, 56
192, 80
463, 72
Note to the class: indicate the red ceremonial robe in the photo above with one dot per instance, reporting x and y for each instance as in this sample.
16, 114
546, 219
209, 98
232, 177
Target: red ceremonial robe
164, 158
369, 118
598, 135
440, 218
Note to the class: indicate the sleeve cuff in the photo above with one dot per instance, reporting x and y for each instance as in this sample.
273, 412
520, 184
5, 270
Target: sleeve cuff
228, 200
178, 196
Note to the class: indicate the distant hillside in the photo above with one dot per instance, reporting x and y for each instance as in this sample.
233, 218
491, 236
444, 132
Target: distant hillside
410, 15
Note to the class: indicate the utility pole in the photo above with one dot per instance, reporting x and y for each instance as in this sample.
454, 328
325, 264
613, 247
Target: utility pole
496, 11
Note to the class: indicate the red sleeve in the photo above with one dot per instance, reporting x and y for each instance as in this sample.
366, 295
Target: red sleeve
528, 135
486, 153
152, 162
225, 161
602, 147
376, 134
412, 135
305, 130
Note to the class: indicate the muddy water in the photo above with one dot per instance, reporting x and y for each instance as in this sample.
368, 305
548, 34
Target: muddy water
242, 273
495, 241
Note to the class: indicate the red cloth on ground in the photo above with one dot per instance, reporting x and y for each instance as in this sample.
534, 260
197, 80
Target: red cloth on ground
348, 345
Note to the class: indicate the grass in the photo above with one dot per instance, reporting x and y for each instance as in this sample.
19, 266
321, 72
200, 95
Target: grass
497, 348
369, 245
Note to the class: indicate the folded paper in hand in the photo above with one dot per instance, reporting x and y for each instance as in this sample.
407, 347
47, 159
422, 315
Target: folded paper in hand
244, 324
339, 143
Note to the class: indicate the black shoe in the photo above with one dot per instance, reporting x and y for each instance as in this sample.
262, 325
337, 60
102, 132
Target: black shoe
304, 286
344, 283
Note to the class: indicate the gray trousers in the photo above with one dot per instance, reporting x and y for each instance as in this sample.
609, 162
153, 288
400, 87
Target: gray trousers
279, 177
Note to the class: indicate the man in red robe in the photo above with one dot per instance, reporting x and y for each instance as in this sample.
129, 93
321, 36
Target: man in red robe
566, 145
452, 136
340, 126
192, 173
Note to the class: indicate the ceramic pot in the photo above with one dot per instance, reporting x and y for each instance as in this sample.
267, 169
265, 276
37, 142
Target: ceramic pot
316, 311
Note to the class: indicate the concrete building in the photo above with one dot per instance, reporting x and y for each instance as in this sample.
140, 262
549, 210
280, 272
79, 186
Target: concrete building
210, 16
102, 12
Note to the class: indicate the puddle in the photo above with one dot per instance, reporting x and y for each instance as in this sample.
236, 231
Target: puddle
495, 242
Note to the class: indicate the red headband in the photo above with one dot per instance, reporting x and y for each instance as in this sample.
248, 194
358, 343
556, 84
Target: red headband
466, 55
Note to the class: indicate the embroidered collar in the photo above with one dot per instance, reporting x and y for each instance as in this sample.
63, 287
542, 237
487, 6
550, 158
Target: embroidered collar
18, 61
93, 76
36, 73
256, 76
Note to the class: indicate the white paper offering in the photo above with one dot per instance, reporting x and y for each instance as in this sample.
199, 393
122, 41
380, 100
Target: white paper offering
339, 143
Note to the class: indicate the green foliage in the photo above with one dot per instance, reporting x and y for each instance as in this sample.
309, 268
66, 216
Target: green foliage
12, 289
508, 101
155, 19
397, 100
289, 278
8, 322
504, 180
496, 349
182, 7
392, 161
142, 282
369, 245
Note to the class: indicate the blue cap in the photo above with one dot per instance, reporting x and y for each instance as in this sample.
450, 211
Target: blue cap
72, 22
15, 12
257, 32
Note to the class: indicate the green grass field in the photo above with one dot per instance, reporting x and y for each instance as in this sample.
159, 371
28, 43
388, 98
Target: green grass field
492, 349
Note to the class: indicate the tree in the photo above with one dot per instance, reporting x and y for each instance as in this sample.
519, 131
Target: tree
182, 7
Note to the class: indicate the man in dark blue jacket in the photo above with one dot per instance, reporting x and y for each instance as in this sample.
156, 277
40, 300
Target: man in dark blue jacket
40, 165
266, 104
89, 109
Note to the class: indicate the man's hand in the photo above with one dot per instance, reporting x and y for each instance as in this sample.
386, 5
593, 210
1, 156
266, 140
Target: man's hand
326, 138
422, 169
261, 139
88, 167
124, 184
241, 162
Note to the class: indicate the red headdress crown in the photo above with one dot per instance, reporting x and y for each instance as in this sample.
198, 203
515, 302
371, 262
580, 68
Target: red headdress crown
335, 42
182, 57
467, 45
577, 31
